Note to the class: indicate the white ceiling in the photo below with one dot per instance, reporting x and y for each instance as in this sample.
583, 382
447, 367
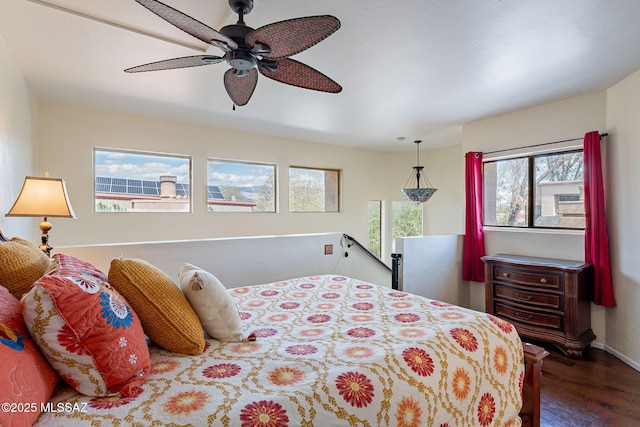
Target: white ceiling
417, 69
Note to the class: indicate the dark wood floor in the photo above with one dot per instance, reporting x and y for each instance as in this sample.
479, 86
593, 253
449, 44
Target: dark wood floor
599, 390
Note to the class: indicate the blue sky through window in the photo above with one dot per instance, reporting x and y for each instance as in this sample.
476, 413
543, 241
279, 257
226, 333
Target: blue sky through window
238, 174
149, 167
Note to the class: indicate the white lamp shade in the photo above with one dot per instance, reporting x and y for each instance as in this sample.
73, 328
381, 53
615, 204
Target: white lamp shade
42, 196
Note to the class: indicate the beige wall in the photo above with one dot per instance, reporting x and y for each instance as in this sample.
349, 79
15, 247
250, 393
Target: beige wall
68, 134
623, 206
445, 215
17, 144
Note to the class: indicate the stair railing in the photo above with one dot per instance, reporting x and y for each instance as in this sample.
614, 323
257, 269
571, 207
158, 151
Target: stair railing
395, 263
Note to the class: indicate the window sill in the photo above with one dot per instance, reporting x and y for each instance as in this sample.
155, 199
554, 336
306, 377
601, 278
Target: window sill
535, 230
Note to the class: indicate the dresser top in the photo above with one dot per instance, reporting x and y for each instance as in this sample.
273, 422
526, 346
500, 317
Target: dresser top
535, 261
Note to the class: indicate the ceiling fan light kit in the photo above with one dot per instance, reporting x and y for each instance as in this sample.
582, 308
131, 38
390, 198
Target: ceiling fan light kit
249, 51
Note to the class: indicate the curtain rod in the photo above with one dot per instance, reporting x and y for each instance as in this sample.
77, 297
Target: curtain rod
602, 135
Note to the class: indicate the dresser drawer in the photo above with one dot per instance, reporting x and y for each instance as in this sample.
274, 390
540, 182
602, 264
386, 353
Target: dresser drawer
539, 279
528, 317
543, 300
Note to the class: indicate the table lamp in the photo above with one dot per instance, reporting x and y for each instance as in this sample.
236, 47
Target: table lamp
45, 197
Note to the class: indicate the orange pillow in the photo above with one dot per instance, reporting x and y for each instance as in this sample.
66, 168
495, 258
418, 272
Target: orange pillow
87, 330
21, 264
26, 378
165, 313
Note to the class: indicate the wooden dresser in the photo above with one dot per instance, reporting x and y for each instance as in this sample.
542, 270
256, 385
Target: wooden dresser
545, 299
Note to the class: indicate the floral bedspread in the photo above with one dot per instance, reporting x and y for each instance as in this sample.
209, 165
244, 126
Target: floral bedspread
329, 351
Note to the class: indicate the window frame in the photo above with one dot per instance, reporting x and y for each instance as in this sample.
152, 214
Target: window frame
531, 194
156, 154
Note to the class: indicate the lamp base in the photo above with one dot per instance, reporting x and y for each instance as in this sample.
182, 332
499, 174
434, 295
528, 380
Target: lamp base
45, 226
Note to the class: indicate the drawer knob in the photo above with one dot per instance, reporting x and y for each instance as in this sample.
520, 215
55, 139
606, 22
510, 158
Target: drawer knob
505, 274
543, 280
525, 318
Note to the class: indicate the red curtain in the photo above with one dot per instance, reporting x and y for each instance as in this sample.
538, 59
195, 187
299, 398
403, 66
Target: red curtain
472, 266
596, 247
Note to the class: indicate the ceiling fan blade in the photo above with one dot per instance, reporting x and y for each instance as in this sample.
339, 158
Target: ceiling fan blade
240, 86
296, 73
286, 38
189, 25
184, 62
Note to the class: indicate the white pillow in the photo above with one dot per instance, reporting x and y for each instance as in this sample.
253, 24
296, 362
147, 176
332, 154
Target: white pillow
212, 303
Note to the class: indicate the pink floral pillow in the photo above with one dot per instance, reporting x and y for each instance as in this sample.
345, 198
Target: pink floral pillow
26, 379
86, 329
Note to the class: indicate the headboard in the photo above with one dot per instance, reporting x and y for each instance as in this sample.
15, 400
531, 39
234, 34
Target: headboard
2, 238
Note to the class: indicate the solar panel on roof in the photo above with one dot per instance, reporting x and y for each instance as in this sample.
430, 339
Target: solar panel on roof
136, 186
182, 189
213, 192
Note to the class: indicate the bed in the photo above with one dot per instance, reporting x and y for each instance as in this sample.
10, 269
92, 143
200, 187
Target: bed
330, 350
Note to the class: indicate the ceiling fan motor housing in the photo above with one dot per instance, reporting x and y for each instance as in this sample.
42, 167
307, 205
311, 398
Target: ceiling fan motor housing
241, 58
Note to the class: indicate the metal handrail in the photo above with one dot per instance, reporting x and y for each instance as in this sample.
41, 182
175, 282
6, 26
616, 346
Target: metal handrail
395, 264
367, 251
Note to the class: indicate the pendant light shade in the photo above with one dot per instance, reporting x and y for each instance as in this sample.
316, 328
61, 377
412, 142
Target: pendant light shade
418, 189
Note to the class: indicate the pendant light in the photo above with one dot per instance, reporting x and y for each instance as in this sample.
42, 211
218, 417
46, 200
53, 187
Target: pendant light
422, 190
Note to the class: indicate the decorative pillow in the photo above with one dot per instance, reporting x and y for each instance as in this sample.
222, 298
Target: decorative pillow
26, 379
86, 329
166, 316
212, 303
21, 264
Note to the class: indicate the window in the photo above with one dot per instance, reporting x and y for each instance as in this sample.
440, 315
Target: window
544, 191
375, 227
234, 186
313, 190
407, 219
129, 181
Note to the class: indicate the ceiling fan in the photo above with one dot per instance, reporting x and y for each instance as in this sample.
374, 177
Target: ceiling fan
247, 50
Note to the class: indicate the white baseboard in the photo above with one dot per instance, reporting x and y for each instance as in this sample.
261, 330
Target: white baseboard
635, 365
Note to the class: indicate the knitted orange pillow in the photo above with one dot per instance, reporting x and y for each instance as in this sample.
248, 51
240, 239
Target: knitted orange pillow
166, 315
21, 264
